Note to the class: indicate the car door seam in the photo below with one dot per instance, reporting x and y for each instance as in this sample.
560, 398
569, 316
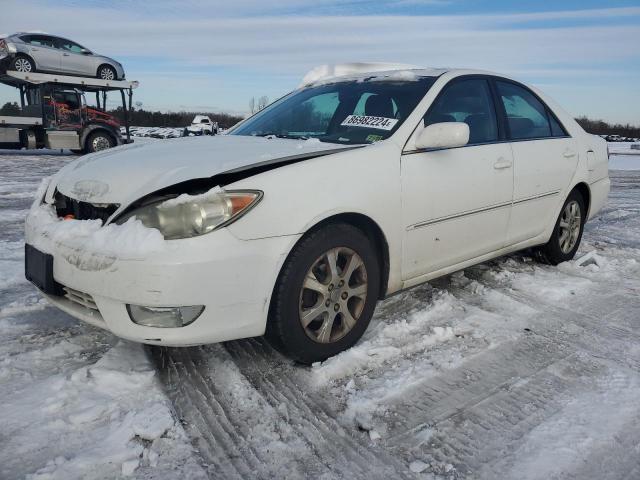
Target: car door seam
480, 210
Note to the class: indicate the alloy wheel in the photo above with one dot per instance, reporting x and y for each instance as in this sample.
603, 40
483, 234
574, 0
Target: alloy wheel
570, 223
333, 295
107, 74
22, 65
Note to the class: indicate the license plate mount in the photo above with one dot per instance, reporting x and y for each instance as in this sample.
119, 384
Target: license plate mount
38, 269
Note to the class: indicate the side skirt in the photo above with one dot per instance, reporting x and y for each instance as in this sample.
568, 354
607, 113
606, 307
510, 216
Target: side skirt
412, 282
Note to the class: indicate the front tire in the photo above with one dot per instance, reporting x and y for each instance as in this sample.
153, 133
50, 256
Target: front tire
325, 295
567, 233
99, 141
107, 72
23, 64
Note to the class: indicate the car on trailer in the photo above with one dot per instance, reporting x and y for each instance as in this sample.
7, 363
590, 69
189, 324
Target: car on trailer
54, 113
39, 52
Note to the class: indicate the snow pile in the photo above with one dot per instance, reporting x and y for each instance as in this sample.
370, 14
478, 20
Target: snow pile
327, 72
86, 243
109, 418
396, 75
308, 143
386, 342
187, 198
591, 258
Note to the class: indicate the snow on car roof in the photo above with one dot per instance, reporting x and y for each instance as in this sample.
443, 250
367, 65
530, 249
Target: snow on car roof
359, 70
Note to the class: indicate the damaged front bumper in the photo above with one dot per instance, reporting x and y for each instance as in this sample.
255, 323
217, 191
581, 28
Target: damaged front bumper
231, 278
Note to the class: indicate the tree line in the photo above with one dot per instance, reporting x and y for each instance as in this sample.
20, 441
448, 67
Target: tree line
600, 127
147, 118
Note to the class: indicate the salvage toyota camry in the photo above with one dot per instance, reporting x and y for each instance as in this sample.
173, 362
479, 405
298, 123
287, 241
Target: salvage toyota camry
302, 217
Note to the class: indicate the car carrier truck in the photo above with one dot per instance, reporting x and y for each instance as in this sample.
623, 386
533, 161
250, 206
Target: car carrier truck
54, 113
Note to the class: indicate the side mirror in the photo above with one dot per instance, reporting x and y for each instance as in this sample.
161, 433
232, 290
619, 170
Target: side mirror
443, 135
85, 51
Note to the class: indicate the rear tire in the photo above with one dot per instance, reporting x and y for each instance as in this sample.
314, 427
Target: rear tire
325, 295
107, 72
567, 233
99, 141
23, 64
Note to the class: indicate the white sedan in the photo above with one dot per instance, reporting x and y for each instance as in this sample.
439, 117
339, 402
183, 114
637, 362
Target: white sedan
303, 216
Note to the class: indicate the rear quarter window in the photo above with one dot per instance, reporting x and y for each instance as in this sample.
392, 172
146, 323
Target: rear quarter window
557, 130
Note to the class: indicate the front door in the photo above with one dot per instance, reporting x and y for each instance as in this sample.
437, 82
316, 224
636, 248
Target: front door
74, 60
456, 202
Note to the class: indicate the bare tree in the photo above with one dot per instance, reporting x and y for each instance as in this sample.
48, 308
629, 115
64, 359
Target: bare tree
263, 102
252, 105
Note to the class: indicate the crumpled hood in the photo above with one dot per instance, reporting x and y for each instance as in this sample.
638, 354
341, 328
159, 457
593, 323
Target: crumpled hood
124, 174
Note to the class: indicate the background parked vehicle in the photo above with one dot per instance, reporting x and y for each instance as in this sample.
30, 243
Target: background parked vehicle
201, 125
37, 52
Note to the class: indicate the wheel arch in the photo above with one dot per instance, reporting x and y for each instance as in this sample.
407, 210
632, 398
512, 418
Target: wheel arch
107, 64
370, 228
28, 57
583, 189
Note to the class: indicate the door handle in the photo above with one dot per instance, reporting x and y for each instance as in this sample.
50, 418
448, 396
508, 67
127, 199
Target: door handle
502, 163
65, 54
569, 154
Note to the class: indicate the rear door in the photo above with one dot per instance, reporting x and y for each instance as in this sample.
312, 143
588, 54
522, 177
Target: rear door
43, 50
456, 201
545, 159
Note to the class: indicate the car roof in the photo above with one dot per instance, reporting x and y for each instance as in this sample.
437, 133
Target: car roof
381, 71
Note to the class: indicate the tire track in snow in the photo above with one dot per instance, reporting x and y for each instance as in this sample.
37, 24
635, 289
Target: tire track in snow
319, 445
211, 433
454, 391
253, 358
477, 435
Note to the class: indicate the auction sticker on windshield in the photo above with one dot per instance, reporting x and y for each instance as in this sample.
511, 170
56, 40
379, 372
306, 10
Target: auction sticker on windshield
381, 123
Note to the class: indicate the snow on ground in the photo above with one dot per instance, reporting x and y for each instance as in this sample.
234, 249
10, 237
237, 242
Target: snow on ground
77, 403
510, 369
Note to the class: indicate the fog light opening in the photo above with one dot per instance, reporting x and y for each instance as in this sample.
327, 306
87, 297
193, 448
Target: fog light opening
164, 317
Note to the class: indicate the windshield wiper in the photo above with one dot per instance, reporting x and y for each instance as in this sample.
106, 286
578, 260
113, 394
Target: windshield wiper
283, 135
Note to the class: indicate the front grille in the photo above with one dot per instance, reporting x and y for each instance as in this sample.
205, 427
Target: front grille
66, 206
80, 298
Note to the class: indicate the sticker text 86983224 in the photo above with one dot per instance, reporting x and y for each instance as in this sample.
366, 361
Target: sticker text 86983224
380, 123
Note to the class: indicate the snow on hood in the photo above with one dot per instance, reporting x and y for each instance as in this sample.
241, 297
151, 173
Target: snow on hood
124, 174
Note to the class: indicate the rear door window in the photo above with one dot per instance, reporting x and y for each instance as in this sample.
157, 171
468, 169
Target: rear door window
40, 40
557, 130
467, 101
527, 116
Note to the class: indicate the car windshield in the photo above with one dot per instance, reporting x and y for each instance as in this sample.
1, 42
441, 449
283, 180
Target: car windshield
346, 112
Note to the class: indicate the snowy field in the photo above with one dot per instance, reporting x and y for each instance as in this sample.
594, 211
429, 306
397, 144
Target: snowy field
508, 370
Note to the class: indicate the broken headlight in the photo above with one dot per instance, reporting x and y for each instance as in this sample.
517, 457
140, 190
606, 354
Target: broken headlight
191, 215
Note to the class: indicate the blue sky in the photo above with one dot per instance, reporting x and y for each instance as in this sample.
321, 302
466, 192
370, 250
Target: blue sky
195, 54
